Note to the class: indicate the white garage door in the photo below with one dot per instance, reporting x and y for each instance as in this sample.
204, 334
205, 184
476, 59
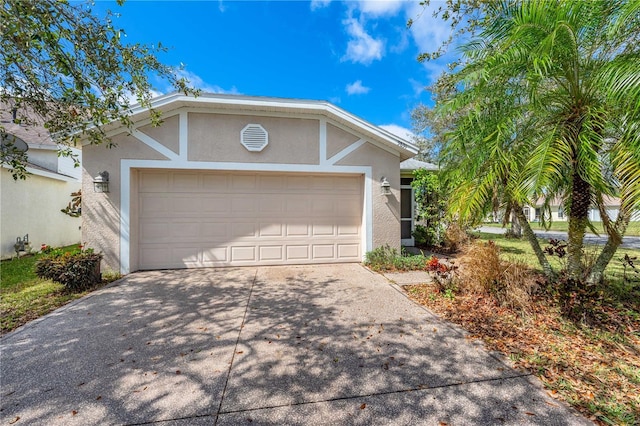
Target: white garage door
192, 219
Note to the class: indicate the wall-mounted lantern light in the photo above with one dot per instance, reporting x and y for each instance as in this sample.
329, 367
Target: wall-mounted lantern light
385, 186
101, 182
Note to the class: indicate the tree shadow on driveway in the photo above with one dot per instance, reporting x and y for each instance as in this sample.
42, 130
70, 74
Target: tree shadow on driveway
272, 345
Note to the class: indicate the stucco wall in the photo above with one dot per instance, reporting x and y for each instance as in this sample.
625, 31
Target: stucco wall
101, 211
386, 208
33, 207
214, 137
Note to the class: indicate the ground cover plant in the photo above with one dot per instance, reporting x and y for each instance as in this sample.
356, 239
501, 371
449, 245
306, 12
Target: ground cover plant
591, 362
24, 296
387, 259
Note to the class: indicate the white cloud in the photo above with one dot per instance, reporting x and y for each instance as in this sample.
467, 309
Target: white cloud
362, 47
356, 88
319, 4
197, 82
428, 32
378, 8
399, 131
418, 87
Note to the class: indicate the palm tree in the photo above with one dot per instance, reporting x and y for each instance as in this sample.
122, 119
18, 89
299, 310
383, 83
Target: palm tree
554, 90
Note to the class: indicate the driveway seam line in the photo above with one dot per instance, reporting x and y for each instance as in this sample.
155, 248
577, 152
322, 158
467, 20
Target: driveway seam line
235, 347
345, 398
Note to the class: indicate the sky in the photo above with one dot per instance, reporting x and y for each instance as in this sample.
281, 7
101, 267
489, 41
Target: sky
357, 55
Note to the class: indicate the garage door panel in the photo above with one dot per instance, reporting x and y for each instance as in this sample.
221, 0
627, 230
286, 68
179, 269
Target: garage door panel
271, 204
323, 230
215, 255
349, 230
271, 253
242, 230
348, 251
297, 230
154, 182
185, 182
297, 252
243, 254
271, 230
243, 182
323, 251
199, 219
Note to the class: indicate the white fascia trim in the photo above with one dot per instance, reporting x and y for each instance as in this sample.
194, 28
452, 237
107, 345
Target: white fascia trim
180, 163
51, 175
322, 143
348, 150
154, 144
183, 136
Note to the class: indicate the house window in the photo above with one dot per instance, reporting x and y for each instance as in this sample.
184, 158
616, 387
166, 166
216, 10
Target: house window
406, 181
538, 214
560, 213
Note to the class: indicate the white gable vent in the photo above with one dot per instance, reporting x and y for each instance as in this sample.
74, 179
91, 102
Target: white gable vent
254, 137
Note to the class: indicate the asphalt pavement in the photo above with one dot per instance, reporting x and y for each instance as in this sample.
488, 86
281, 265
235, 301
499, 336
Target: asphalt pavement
627, 242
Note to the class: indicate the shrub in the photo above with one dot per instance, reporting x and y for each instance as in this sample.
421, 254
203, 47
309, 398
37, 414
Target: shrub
76, 271
386, 258
431, 202
455, 237
482, 271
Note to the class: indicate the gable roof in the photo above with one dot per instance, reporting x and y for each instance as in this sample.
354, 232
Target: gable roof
299, 107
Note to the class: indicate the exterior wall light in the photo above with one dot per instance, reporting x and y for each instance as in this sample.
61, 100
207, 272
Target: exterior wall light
101, 182
385, 186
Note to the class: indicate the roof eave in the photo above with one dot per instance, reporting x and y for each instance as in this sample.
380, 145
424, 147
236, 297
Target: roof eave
172, 101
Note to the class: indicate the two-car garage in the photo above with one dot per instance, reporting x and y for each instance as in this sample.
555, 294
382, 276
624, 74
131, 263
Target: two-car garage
229, 180
216, 218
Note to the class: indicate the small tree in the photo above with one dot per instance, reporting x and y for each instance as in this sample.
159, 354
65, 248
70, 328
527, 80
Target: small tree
431, 206
67, 70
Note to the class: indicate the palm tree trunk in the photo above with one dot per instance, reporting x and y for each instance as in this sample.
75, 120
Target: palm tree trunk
613, 242
533, 241
578, 219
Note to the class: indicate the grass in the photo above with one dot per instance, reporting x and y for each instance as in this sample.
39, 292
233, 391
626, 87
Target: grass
594, 367
521, 250
633, 230
25, 297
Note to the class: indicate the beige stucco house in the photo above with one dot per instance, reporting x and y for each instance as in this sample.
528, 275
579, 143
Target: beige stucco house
32, 206
235, 180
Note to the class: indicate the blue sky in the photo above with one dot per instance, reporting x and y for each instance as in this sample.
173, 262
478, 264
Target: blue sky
358, 55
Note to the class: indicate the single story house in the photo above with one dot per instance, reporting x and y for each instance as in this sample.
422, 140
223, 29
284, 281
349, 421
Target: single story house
558, 214
235, 180
32, 207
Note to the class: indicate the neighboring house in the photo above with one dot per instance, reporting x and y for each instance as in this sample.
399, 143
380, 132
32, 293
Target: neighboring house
32, 206
407, 199
235, 180
558, 213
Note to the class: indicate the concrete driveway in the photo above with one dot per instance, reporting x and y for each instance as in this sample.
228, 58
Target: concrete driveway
268, 345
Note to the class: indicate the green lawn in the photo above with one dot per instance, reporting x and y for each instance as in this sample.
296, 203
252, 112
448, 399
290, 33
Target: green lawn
632, 231
520, 249
24, 296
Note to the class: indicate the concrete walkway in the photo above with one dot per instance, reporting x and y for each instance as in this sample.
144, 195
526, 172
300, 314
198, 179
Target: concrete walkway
272, 345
